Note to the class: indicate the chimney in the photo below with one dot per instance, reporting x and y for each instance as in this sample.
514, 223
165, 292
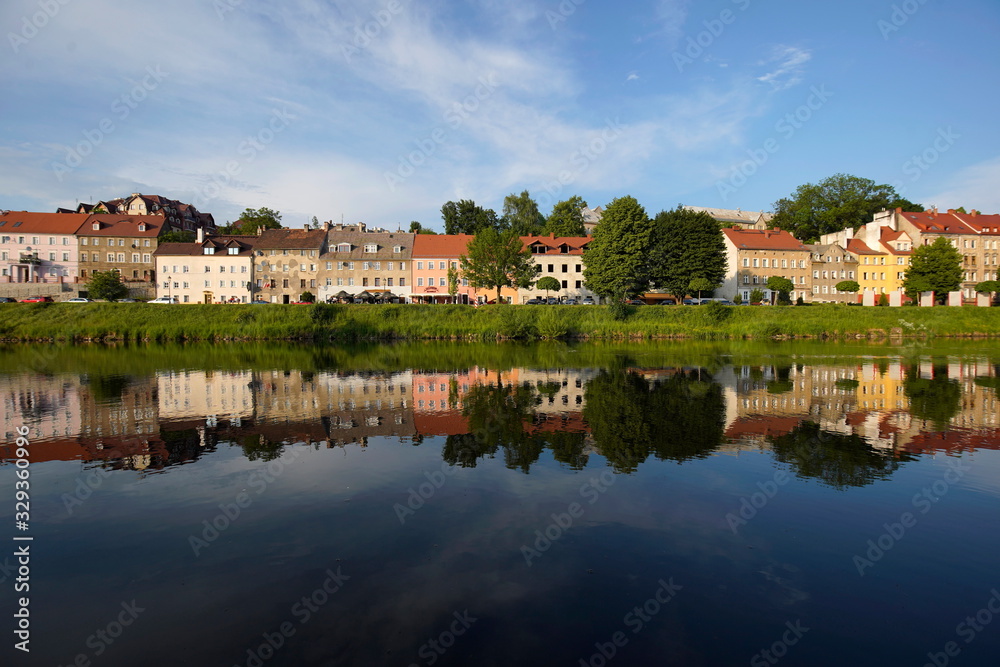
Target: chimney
201, 235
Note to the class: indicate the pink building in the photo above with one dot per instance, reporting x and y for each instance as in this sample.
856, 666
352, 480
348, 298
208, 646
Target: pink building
433, 254
39, 247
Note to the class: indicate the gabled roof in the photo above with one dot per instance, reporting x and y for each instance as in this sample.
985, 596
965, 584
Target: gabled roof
930, 222
23, 222
310, 239
441, 245
859, 247
122, 225
888, 236
732, 215
763, 239
981, 224
386, 242
554, 244
220, 243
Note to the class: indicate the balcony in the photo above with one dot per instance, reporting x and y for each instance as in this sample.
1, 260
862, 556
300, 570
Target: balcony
32, 260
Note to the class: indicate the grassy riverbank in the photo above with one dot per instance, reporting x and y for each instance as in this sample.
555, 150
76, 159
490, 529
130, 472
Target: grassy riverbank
142, 322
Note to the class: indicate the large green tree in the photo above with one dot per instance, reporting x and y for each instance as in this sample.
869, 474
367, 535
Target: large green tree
106, 285
177, 237
548, 283
252, 220
833, 204
520, 213
688, 246
935, 267
498, 259
465, 217
566, 218
783, 286
616, 261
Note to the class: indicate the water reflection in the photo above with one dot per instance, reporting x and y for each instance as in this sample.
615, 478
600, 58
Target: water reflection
844, 424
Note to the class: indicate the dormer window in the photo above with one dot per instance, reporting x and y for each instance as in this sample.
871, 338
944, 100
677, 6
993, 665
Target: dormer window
208, 250
343, 247
142, 226
397, 248
96, 226
371, 247
234, 250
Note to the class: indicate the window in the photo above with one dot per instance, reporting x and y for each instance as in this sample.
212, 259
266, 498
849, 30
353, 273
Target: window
784, 263
111, 256
441, 266
365, 266
83, 241
145, 258
755, 280
565, 268
234, 250
302, 283
222, 269
420, 266
763, 262
340, 282
208, 269
343, 247
746, 262
243, 269
746, 280
378, 282
284, 283
52, 257
443, 282
388, 266
815, 274
397, 248
371, 247
579, 284
208, 283
65, 257
208, 250
454, 265
388, 282
755, 262
552, 268
420, 282
364, 282
402, 267
402, 282
564, 284
145, 243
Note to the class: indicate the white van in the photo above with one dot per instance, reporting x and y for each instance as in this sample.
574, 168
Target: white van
164, 299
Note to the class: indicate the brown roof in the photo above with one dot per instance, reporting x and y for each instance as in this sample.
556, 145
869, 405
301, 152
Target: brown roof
122, 225
984, 224
938, 223
554, 244
358, 240
859, 247
245, 243
441, 245
23, 222
291, 238
763, 239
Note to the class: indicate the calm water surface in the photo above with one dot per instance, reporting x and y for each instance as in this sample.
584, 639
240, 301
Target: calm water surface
447, 504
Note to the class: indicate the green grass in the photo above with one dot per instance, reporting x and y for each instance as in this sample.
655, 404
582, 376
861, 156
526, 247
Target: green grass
164, 323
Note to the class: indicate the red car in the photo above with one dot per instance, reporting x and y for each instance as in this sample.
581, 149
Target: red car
37, 299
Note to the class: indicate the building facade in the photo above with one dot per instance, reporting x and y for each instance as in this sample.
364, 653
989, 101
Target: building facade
754, 255
122, 243
287, 263
218, 269
358, 261
433, 256
560, 258
830, 265
39, 247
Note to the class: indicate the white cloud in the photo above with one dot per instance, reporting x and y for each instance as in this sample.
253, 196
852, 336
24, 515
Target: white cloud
788, 67
974, 187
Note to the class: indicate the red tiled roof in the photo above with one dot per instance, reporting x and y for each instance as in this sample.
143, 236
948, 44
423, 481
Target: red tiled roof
763, 239
40, 223
887, 236
983, 224
859, 247
441, 245
574, 244
940, 223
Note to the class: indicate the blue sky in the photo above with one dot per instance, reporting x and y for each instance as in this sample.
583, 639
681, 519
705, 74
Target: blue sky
382, 111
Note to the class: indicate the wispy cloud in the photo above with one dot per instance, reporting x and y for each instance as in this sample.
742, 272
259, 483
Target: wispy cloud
974, 187
788, 63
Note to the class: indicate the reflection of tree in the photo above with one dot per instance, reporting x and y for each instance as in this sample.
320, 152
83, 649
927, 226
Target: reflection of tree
259, 448
991, 381
679, 418
936, 400
566, 447
835, 459
497, 416
109, 388
781, 383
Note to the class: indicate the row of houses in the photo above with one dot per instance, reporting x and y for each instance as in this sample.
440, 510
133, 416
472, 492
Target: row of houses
348, 262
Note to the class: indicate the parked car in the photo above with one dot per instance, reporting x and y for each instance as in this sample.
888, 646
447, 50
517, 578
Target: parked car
667, 302
588, 301
637, 302
569, 302
7, 299
726, 302
259, 301
164, 299
37, 299
78, 299
552, 301
126, 301
534, 302
690, 302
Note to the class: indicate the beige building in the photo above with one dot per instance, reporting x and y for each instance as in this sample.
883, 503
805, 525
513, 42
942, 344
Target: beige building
754, 255
122, 243
286, 263
358, 261
217, 269
832, 264
560, 258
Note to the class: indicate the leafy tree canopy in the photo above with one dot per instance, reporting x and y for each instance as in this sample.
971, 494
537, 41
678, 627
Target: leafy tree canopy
252, 220
615, 261
106, 285
520, 214
936, 267
548, 283
936, 400
988, 286
498, 259
834, 204
687, 246
566, 218
177, 237
756, 296
465, 217
848, 286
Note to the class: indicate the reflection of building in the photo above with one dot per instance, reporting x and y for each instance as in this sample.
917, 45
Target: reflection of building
49, 406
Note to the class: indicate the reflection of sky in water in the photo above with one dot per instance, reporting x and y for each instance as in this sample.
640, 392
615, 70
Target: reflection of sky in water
315, 509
